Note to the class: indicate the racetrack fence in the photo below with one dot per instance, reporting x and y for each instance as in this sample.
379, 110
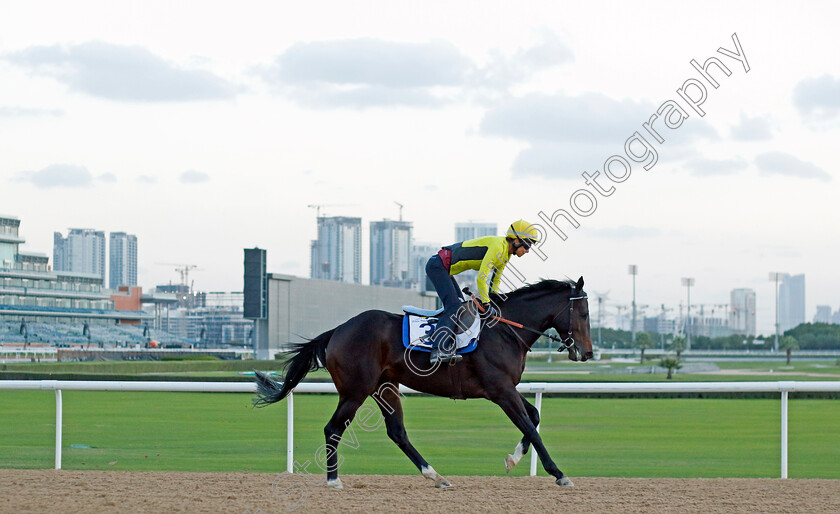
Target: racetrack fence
536, 388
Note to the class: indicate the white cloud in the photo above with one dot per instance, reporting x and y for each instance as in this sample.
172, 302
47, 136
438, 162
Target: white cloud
818, 99
703, 167
119, 72
504, 70
570, 134
57, 175
21, 112
367, 72
752, 129
193, 177
779, 163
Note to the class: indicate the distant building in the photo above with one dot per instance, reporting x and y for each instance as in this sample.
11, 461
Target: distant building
319, 306
742, 311
123, 260
82, 251
337, 253
660, 325
823, 314
464, 232
215, 321
390, 254
31, 292
791, 302
420, 255
709, 326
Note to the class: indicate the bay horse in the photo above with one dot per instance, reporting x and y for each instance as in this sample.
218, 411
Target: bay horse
365, 357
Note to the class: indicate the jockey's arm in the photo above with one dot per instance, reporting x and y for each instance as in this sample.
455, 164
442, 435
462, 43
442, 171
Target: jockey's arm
490, 272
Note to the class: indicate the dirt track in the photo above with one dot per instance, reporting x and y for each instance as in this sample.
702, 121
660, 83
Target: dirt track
115, 491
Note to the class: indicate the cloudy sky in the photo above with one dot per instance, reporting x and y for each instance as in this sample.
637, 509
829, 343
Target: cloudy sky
205, 128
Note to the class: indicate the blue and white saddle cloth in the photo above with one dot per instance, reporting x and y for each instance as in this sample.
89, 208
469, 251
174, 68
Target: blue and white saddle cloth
418, 325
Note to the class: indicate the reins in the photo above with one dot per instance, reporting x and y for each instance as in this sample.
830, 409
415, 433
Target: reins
566, 342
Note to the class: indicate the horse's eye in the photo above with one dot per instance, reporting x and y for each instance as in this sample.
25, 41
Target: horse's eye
584, 315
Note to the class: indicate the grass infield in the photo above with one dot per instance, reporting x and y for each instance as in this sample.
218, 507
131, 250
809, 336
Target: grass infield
586, 437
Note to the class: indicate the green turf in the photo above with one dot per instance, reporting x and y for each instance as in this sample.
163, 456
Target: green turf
538, 370
586, 437
121, 367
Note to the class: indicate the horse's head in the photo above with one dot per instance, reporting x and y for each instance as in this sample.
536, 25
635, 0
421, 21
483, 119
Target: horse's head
573, 327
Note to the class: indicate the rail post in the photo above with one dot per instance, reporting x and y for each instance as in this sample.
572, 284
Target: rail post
784, 434
538, 405
290, 433
58, 424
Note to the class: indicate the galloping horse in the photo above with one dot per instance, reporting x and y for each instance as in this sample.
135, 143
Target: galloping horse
365, 357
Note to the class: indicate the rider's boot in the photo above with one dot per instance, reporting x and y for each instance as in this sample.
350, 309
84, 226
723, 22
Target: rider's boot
443, 350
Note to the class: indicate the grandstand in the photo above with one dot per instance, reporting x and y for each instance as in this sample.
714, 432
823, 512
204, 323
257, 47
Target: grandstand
72, 334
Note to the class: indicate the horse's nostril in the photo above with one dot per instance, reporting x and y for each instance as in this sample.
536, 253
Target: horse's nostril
587, 356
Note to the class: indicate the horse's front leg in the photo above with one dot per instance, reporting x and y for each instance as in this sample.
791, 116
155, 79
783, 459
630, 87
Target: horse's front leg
522, 448
512, 405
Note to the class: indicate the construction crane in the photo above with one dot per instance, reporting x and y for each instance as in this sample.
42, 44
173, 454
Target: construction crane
401, 208
318, 206
184, 271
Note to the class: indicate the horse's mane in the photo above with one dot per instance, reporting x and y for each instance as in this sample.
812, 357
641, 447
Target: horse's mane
545, 285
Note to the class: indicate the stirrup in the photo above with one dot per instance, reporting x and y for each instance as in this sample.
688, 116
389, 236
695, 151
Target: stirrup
444, 358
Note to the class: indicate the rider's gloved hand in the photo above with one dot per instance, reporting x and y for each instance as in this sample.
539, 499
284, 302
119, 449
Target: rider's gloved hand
487, 310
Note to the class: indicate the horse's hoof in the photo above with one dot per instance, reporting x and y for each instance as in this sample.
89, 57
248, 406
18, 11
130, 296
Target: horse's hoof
440, 483
335, 484
565, 481
510, 463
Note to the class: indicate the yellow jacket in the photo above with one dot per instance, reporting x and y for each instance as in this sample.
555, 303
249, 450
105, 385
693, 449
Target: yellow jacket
488, 255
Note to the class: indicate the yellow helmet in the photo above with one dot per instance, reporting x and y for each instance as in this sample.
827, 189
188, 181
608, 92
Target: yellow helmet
524, 231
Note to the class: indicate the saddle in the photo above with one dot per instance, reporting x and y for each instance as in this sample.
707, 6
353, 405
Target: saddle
418, 325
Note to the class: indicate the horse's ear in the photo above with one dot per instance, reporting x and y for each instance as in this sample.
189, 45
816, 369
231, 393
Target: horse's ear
579, 285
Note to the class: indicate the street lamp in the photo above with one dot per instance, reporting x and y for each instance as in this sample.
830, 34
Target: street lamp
633, 270
688, 282
774, 277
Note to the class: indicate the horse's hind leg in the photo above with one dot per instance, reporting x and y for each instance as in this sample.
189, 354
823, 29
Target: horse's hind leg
388, 398
522, 448
340, 420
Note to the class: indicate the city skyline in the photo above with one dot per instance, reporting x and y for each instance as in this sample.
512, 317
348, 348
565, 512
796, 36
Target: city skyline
202, 146
791, 294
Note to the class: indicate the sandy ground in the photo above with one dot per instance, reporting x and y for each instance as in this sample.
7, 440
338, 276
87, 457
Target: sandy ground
115, 491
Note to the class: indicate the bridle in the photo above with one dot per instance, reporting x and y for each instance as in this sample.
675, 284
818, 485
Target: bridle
569, 340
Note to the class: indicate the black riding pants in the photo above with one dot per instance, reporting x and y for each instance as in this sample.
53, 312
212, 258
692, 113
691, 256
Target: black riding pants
450, 296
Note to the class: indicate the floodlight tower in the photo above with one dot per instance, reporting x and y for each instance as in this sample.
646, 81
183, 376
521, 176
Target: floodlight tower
601, 297
688, 282
633, 270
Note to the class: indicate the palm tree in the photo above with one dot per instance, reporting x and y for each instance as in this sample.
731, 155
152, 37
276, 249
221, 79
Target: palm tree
643, 341
787, 344
678, 345
670, 362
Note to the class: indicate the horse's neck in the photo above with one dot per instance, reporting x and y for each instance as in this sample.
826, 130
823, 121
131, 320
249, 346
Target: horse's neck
524, 312
537, 310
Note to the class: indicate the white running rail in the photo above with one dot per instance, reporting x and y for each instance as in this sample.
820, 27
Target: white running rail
536, 388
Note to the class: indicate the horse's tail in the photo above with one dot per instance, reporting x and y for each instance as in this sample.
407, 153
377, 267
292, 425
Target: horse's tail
305, 357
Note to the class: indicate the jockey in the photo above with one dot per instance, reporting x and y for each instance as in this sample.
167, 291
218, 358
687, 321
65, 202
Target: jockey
488, 255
